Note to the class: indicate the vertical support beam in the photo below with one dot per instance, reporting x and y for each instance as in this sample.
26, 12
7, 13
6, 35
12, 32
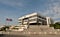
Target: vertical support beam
28, 23
37, 19
48, 21
22, 21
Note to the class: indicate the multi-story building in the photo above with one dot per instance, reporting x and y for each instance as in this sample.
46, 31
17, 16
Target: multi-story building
34, 19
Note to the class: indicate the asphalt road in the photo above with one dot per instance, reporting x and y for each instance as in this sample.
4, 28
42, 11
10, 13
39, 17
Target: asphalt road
19, 34
51, 35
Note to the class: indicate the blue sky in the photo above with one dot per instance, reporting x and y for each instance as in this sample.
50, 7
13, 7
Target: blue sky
15, 8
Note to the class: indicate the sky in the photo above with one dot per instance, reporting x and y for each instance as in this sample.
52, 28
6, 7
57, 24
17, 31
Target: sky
16, 8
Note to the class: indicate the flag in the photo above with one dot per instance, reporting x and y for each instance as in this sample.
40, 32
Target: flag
8, 19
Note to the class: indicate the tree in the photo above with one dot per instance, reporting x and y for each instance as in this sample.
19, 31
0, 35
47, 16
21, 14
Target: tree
5, 28
57, 25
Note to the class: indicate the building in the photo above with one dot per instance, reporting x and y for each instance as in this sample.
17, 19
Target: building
17, 28
34, 19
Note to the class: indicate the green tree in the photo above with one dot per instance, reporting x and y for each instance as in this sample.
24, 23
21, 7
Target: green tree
5, 28
57, 25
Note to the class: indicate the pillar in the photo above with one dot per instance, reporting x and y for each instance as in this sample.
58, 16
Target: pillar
48, 21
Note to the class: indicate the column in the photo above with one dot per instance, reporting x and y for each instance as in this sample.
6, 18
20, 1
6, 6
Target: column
22, 21
48, 21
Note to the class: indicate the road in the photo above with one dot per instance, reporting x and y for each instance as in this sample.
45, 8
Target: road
30, 35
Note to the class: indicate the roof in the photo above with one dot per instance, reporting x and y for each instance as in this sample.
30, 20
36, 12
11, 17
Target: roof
32, 14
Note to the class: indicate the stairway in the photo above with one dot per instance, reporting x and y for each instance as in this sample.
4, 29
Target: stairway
36, 28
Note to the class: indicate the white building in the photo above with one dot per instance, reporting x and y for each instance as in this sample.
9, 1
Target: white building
35, 19
18, 28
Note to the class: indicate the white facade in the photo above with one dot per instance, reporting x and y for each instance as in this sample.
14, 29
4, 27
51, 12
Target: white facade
34, 18
18, 28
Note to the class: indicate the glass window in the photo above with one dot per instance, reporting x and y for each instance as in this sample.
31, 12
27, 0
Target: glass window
33, 20
25, 18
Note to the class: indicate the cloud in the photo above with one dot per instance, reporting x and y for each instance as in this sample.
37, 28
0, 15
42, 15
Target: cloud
13, 3
53, 10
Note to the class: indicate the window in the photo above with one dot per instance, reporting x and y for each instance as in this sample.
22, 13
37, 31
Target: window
39, 16
33, 20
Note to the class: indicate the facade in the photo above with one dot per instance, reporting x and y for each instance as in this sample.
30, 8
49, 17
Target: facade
34, 19
18, 28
